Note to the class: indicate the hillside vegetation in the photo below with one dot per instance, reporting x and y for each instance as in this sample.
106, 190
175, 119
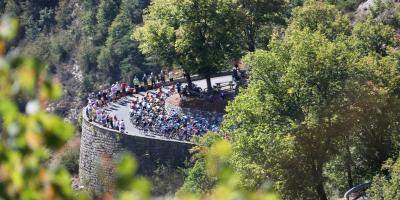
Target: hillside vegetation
319, 116
85, 43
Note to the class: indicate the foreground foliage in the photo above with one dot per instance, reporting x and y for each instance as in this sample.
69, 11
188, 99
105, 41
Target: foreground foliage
28, 134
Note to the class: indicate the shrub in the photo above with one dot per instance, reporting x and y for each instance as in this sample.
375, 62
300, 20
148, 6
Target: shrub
387, 186
70, 160
166, 180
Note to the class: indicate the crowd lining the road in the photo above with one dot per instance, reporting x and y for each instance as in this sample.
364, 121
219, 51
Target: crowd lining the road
148, 113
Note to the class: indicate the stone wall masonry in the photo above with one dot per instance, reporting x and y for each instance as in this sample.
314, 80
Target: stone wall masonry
100, 145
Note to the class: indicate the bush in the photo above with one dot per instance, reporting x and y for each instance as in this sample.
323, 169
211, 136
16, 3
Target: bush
62, 44
70, 160
166, 180
346, 5
387, 185
86, 54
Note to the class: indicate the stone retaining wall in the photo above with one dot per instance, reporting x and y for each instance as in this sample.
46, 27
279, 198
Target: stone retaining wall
101, 146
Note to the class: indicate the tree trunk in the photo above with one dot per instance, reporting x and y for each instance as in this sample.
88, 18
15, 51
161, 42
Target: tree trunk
209, 86
252, 45
348, 162
321, 190
251, 39
189, 80
318, 178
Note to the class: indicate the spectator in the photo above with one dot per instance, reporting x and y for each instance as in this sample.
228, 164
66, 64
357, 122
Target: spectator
124, 86
87, 112
235, 74
179, 87
117, 90
109, 122
171, 78
104, 119
115, 122
162, 76
153, 80
122, 126
136, 83
144, 79
238, 74
99, 95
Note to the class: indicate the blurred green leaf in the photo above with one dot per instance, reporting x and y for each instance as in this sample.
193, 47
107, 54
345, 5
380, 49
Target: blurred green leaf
127, 166
8, 28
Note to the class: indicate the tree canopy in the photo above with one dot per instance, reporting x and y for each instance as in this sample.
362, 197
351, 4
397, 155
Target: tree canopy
317, 100
258, 14
200, 36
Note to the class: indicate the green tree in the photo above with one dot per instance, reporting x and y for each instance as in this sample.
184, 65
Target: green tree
258, 14
322, 17
307, 103
371, 36
63, 14
120, 56
86, 54
197, 180
346, 5
87, 17
200, 36
157, 36
386, 186
106, 12
2, 7
12, 8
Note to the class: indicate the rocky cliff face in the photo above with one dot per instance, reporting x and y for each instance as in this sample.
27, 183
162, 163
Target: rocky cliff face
381, 10
363, 10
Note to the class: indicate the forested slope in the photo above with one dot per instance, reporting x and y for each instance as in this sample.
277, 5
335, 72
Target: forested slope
85, 43
320, 114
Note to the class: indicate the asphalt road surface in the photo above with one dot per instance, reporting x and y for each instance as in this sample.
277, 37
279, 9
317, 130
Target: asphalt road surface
121, 108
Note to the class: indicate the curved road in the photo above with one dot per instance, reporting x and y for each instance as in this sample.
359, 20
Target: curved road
121, 108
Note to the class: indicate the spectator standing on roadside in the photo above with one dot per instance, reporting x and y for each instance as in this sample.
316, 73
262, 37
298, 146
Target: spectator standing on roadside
113, 92
238, 74
93, 114
179, 87
121, 126
171, 78
109, 121
136, 82
153, 80
104, 119
88, 111
99, 95
115, 122
162, 76
123, 88
104, 95
118, 90
158, 80
144, 79
234, 74
98, 115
